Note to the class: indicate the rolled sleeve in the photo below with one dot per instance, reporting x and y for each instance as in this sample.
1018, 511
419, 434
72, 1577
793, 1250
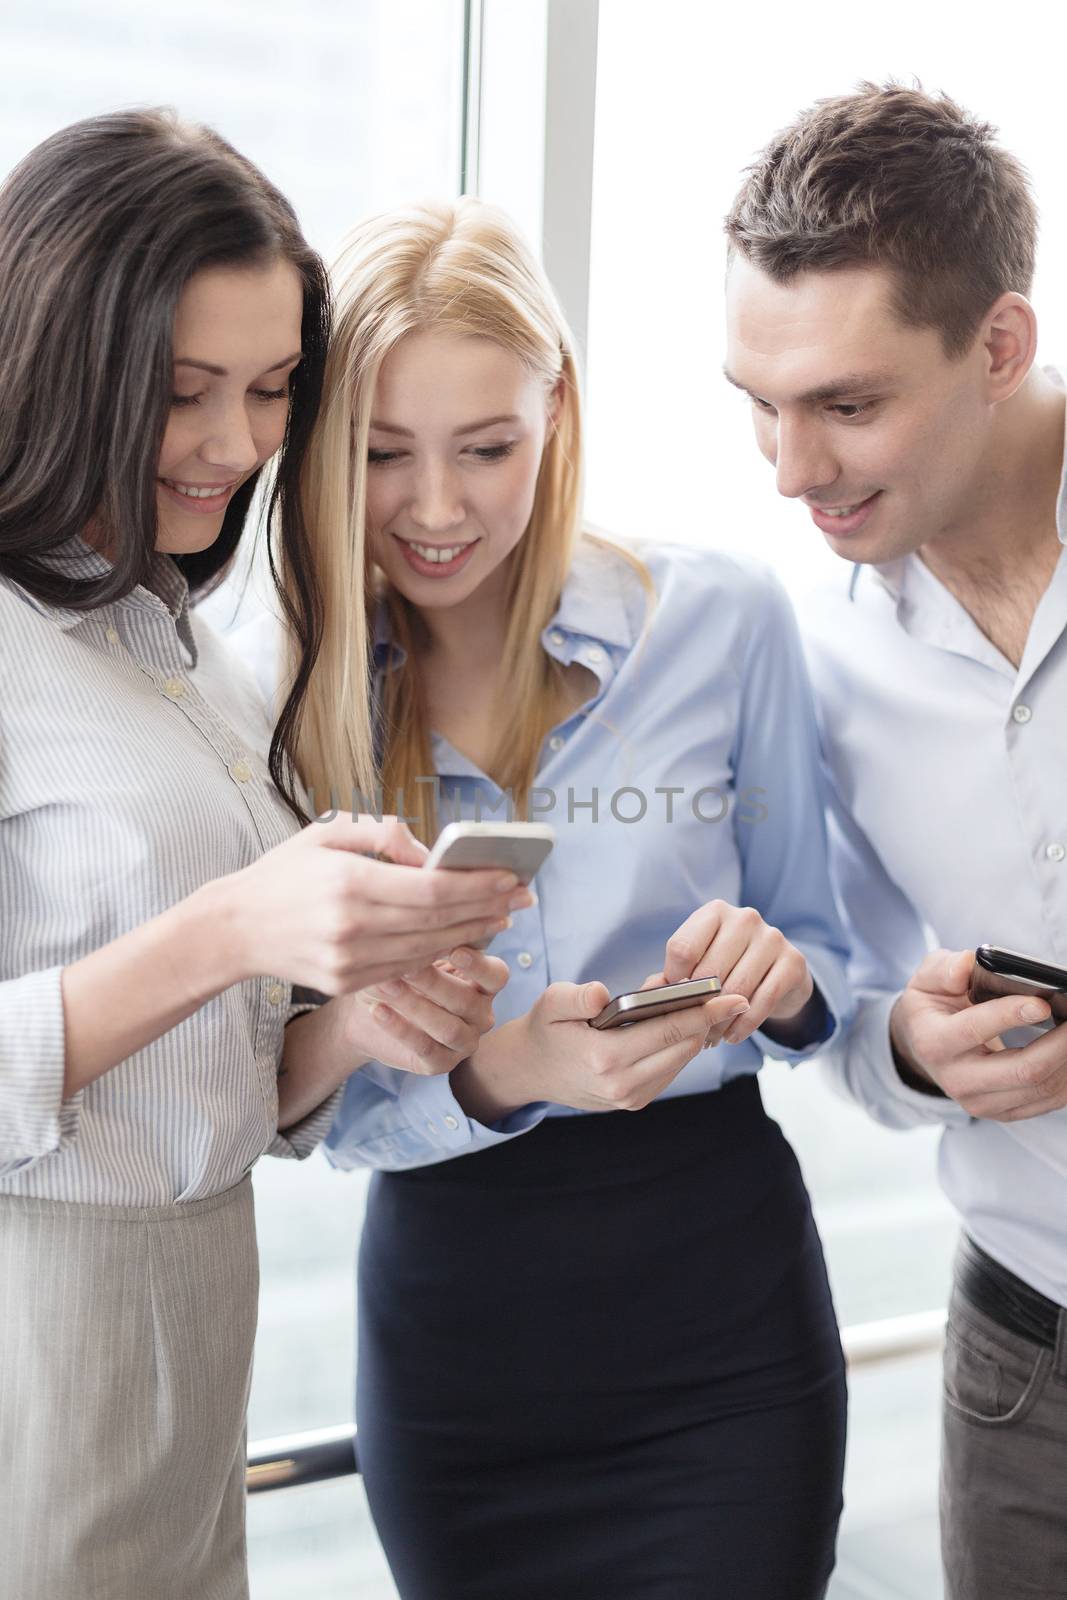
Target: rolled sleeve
298, 1140
35, 1120
394, 1120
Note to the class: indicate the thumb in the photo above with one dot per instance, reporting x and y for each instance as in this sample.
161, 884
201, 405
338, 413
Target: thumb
570, 1002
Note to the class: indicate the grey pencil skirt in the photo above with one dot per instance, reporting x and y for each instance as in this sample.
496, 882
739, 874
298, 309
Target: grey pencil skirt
125, 1355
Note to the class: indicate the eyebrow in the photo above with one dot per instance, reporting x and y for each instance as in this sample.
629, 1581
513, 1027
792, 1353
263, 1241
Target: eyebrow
845, 388
220, 372
470, 427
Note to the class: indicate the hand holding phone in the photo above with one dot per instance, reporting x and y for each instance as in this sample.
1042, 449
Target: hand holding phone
549, 1053
954, 1047
640, 1004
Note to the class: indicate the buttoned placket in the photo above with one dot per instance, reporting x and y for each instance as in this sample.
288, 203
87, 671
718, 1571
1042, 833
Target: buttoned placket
174, 676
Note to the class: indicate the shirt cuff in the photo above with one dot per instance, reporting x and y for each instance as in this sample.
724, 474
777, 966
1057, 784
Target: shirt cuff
298, 1140
435, 1115
829, 979
35, 1120
861, 1063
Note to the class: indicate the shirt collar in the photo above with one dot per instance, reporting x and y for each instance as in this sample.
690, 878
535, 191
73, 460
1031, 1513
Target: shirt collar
602, 604
79, 562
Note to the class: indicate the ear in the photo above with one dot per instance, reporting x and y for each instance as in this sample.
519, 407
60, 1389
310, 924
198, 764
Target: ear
1009, 343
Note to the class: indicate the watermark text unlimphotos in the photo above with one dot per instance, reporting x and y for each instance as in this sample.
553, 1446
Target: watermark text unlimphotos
666, 803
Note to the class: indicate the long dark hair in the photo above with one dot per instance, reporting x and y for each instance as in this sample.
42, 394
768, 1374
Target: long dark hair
101, 228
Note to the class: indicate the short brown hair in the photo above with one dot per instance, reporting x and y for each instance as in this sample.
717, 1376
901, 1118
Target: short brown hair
894, 177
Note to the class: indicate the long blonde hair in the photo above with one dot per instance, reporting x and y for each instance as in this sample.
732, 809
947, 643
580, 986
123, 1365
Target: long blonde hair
460, 268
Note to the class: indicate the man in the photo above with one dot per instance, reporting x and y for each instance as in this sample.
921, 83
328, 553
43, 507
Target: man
881, 254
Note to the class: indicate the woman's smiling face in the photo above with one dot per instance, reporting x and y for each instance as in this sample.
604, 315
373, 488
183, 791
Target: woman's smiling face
236, 343
457, 432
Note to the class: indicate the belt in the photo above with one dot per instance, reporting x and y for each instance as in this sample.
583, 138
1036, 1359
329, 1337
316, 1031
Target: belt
1004, 1298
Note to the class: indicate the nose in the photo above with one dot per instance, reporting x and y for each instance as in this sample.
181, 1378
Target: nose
436, 506
232, 444
802, 460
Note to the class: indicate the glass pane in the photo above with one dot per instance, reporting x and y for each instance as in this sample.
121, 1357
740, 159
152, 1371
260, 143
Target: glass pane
348, 108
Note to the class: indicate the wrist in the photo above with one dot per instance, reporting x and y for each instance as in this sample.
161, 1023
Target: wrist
908, 1069
220, 954
487, 1084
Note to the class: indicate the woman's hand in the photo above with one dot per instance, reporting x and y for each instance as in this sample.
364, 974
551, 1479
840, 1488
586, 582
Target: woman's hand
735, 945
429, 1021
319, 911
552, 1054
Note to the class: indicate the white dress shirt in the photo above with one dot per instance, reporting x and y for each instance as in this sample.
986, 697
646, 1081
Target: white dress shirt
949, 827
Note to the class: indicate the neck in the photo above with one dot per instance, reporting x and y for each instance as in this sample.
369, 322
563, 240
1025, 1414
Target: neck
1010, 520
472, 633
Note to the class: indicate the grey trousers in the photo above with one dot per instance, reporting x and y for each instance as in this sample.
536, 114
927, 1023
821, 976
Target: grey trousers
125, 1355
1003, 1461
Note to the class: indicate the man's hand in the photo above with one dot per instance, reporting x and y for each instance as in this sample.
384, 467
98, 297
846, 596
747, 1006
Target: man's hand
956, 1046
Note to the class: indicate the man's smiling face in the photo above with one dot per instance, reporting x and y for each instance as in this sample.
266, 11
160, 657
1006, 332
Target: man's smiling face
866, 420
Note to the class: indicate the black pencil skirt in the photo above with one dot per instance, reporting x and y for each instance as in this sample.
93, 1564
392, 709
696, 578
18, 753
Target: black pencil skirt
600, 1362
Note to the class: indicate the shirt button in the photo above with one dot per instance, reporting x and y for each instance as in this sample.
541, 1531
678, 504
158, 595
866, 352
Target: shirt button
1022, 713
594, 653
451, 1122
556, 742
111, 635
241, 771
524, 958
276, 994
556, 637
174, 688
1055, 852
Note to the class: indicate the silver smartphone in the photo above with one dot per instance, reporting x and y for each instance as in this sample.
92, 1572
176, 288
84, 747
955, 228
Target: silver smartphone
643, 1003
518, 847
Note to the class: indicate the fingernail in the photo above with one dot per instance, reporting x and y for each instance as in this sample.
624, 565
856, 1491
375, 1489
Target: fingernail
498, 927
1033, 1011
461, 959
520, 901
381, 1014
392, 988
508, 881
738, 1010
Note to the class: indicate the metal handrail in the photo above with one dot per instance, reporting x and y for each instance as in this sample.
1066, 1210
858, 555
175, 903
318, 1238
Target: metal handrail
324, 1453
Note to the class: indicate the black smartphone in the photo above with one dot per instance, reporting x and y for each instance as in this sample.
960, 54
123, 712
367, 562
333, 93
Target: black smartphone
1002, 972
642, 1003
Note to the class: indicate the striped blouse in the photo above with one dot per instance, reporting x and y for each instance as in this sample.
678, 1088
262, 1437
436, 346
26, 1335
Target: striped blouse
132, 772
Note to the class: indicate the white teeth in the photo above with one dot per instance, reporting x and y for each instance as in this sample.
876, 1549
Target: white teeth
439, 554
197, 494
841, 511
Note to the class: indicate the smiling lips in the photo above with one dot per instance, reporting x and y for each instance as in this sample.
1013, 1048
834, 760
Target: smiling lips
841, 520
200, 499
435, 560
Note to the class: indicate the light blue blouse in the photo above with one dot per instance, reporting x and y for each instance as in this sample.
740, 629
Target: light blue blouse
691, 774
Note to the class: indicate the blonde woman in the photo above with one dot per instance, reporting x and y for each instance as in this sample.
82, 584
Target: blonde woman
597, 1353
